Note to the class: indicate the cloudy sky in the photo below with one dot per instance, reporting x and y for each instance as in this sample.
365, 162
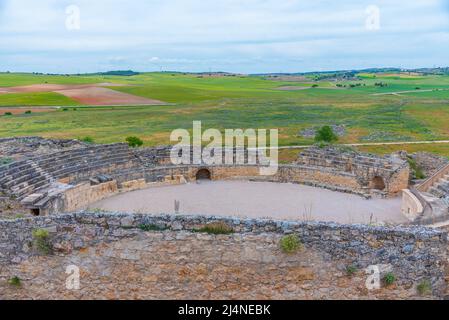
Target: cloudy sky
247, 36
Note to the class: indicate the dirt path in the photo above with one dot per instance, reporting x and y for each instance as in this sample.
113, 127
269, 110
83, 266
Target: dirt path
408, 91
371, 144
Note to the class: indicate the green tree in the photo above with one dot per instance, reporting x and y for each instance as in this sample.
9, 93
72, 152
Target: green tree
325, 134
134, 142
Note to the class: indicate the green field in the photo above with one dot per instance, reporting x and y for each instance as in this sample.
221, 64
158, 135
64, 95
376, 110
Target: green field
240, 102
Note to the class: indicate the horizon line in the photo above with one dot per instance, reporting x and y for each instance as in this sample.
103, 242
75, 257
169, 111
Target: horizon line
232, 73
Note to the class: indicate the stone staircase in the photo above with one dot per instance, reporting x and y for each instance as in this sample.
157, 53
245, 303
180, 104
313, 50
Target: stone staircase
435, 191
441, 189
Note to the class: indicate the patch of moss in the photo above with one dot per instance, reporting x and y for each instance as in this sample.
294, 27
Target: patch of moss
290, 244
15, 281
152, 227
41, 241
216, 228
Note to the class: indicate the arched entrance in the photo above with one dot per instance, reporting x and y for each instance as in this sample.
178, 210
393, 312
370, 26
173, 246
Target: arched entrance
203, 174
378, 183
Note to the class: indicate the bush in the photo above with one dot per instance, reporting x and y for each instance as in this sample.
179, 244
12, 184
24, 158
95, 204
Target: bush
6, 160
351, 270
88, 140
290, 243
8, 113
134, 142
389, 278
417, 171
15, 281
322, 144
41, 241
326, 134
424, 287
216, 228
28, 112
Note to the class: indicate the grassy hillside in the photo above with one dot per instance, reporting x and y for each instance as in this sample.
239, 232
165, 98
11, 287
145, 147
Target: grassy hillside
37, 98
241, 102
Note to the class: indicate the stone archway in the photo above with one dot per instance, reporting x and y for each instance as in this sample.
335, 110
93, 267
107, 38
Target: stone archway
203, 174
378, 183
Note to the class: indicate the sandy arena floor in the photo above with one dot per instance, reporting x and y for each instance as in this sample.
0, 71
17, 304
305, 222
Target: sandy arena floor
257, 199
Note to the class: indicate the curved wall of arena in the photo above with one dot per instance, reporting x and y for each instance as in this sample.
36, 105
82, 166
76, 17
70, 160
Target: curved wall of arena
138, 256
83, 194
72, 179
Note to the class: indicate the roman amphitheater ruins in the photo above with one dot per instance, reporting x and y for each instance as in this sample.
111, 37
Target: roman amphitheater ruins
133, 223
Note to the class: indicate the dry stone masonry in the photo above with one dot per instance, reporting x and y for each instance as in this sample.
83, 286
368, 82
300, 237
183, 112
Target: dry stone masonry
387, 175
138, 256
120, 258
44, 182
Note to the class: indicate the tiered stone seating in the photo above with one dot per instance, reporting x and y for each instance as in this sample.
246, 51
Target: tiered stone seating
441, 189
23, 178
340, 160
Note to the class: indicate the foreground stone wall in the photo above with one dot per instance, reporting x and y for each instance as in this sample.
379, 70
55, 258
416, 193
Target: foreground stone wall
119, 260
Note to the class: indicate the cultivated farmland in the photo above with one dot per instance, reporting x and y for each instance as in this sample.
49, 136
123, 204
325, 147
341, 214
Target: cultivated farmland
406, 107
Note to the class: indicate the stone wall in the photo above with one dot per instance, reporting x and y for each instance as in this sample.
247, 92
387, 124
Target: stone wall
20, 147
39, 182
79, 197
120, 260
83, 194
411, 206
389, 175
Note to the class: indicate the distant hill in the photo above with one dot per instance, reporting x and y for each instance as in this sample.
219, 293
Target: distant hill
125, 73
353, 73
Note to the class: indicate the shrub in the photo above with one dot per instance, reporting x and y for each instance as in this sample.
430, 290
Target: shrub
134, 142
417, 170
216, 228
389, 278
88, 140
41, 241
322, 144
28, 112
15, 281
351, 270
290, 243
4, 161
326, 134
151, 227
424, 287
8, 113
315, 86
